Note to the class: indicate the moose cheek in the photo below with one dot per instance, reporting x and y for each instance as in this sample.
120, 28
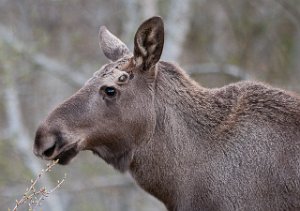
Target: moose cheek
110, 102
111, 113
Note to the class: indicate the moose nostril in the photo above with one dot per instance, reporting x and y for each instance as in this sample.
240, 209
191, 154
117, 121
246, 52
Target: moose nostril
50, 151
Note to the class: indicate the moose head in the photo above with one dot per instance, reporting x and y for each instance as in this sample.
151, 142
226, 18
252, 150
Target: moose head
113, 113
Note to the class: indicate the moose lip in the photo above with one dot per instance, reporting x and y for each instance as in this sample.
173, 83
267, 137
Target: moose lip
65, 156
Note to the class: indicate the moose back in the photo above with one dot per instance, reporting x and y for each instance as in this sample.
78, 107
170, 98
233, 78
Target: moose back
194, 148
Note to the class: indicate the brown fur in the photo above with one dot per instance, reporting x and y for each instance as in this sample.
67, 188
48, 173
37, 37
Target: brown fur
230, 148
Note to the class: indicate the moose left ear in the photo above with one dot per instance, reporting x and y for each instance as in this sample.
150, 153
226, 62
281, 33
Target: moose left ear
149, 42
112, 47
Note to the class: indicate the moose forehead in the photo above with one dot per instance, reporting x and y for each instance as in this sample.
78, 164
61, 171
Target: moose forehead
110, 69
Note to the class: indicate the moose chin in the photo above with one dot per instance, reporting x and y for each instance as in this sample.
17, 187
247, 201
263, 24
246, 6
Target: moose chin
231, 148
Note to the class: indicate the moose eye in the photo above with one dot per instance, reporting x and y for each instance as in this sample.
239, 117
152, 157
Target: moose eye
110, 91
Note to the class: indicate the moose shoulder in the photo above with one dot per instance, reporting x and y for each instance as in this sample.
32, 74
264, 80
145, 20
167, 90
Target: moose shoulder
231, 148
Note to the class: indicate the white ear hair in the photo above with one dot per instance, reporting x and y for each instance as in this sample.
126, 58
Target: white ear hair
112, 47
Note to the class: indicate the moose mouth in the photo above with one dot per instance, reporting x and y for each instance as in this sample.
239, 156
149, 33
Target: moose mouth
67, 154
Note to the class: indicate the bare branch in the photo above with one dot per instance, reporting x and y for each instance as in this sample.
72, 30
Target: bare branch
178, 25
291, 10
149, 8
48, 64
32, 193
99, 182
20, 135
212, 68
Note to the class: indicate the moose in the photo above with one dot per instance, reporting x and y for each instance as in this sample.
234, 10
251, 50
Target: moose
194, 148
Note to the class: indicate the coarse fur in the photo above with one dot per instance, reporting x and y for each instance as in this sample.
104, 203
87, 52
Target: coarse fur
230, 148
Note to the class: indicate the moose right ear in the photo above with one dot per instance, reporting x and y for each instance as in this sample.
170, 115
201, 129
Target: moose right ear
112, 47
149, 42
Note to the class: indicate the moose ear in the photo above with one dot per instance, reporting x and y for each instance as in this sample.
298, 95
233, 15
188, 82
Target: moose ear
112, 47
149, 42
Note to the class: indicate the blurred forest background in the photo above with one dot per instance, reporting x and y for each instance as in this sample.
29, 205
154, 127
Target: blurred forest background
49, 48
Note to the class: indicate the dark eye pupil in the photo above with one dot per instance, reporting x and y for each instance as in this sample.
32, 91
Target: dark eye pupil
110, 91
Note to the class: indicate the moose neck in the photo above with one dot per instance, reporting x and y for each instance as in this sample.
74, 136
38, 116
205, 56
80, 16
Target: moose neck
186, 115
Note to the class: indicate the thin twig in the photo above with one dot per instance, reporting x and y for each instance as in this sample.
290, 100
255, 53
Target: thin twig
33, 196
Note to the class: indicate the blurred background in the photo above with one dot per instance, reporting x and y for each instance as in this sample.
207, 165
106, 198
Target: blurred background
49, 48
